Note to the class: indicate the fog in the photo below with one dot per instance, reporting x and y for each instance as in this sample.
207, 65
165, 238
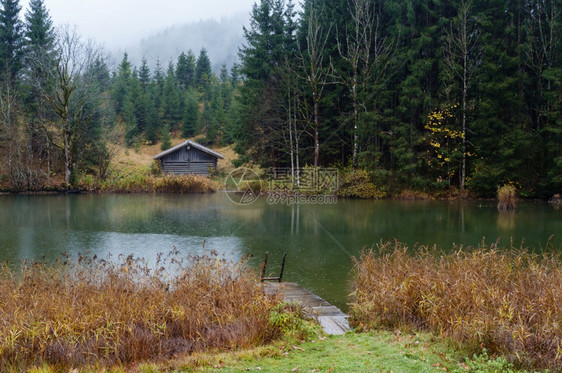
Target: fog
221, 38
121, 23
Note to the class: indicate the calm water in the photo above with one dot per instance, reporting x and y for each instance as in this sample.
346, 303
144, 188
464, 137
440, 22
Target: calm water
319, 239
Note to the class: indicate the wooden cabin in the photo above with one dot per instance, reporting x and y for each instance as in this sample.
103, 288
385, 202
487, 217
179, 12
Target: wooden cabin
189, 158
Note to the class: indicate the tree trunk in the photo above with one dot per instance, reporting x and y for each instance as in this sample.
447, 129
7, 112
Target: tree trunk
355, 118
316, 137
67, 160
463, 148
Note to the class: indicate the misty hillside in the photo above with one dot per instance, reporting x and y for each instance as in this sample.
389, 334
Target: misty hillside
221, 39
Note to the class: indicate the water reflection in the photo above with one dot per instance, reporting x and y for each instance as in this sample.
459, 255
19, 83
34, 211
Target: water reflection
319, 239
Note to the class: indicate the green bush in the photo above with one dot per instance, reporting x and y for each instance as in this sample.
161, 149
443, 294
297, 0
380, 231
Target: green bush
287, 320
484, 364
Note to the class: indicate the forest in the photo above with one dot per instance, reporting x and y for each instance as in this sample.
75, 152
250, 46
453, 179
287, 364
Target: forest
420, 94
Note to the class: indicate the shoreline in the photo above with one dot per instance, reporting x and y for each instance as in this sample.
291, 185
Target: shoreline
47, 192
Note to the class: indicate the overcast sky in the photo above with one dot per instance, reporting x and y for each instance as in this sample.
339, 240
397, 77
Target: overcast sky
119, 23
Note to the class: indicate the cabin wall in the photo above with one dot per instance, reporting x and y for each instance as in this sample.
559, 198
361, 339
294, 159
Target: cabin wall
189, 161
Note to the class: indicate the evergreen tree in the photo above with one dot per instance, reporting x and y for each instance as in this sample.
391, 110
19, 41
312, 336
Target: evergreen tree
261, 135
122, 84
172, 101
223, 75
158, 86
166, 137
39, 34
185, 70
138, 98
214, 134
144, 75
40, 61
235, 74
128, 116
11, 39
190, 113
100, 73
502, 136
203, 71
152, 121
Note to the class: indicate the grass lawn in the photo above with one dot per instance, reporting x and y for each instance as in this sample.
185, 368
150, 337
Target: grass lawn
381, 352
378, 351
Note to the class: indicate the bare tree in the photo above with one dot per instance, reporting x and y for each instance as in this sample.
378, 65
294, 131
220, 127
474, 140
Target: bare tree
315, 70
368, 54
461, 58
291, 106
7, 119
544, 49
69, 94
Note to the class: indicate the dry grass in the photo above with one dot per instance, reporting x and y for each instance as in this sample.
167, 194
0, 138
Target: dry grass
144, 182
128, 160
508, 301
408, 194
92, 311
507, 197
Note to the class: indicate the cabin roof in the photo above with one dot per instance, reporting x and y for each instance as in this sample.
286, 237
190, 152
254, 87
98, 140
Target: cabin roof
193, 144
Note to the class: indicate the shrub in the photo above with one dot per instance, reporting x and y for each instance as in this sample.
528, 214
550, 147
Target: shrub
92, 311
506, 301
357, 184
507, 197
287, 319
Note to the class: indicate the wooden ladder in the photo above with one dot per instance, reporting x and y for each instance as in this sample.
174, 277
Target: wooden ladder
280, 278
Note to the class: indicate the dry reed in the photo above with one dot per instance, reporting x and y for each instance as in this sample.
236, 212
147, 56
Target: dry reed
507, 197
144, 183
508, 301
97, 312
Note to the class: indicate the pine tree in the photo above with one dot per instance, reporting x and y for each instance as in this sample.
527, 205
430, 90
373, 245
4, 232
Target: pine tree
137, 96
166, 137
185, 70
158, 86
39, 35
261, 135
502, 137
144, 75
190, 113
100, 73
122, 83
172, 104
203, 71
11, 39
39, 61
152, 121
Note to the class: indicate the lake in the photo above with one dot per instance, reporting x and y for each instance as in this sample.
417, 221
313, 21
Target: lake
319, 239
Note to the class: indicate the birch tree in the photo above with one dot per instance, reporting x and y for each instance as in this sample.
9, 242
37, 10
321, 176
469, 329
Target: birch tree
461, 58
315, 71
368, 54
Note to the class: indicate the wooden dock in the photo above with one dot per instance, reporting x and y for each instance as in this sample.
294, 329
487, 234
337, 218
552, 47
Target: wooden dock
331, 318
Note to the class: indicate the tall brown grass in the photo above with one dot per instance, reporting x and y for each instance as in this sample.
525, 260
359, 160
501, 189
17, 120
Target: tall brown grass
507, 197
508, 301
141, 182
97, 312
